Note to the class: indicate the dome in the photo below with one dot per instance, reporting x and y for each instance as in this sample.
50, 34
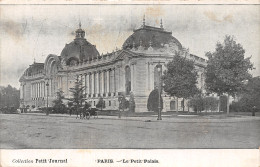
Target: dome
151, 36
79, 50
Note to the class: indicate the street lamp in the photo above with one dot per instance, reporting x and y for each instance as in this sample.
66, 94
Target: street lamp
159, 69
47, 84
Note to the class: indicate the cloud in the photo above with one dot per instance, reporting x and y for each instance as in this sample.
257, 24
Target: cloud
13, 29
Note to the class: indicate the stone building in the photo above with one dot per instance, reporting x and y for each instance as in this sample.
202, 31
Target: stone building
130, 69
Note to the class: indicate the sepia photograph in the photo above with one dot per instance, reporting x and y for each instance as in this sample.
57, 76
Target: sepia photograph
129, 76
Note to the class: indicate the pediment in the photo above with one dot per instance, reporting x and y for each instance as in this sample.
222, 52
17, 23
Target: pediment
126, 55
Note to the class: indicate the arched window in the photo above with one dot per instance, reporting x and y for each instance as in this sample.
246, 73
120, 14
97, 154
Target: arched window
127, 80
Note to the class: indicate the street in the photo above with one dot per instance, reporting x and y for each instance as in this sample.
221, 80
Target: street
40, 131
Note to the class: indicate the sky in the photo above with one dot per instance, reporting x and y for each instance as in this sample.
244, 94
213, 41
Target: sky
30, 33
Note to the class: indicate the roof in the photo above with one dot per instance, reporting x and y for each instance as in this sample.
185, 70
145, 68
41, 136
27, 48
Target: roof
148, 35
79, 49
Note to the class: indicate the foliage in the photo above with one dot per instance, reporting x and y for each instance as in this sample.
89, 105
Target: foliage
197, 103
200, 103
210, 103
249, 98
153, 101
223, 103
58, 106
101, 103
77, 93
33, 106
180, 78
70, 104
87, 105
251, 93
227, 68
132, 102
9, 97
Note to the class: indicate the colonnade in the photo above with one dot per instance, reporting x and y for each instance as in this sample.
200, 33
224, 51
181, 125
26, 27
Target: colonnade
38, 89
100, 83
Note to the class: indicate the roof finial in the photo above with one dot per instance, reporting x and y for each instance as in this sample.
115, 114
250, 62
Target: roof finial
79, 24
161, 24
144, 20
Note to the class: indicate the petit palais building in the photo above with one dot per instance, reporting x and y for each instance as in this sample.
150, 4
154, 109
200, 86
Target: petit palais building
132, 69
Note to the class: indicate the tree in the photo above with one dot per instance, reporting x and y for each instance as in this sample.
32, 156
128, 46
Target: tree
227, 69
210, 103
197, 103
9, 97
153, 101
77, 93
180, 78
249, 97
58, 106
252, 92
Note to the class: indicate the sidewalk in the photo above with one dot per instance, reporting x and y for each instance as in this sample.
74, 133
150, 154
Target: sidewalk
166, 118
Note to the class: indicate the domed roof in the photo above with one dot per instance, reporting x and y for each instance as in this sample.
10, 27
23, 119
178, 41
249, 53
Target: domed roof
150, 36
80, 49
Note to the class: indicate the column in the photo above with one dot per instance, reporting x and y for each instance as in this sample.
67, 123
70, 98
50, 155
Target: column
40, 90
132, 77
120, 82
92, 84
114, 74
50, 87
122, 71
148, 76
44, 92
107, 82
61, 83
37, 90
32, 90
40, 85
97, 83
111, 80
101, 82
83, 85
87, 84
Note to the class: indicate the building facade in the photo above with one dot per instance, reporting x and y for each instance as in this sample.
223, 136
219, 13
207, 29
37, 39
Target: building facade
132, 69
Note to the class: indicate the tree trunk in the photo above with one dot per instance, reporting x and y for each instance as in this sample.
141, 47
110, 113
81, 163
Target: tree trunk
228, 104
177, 105
219, 104
183, 104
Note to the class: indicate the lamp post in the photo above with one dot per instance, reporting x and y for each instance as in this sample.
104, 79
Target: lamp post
159, 69
47, 84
